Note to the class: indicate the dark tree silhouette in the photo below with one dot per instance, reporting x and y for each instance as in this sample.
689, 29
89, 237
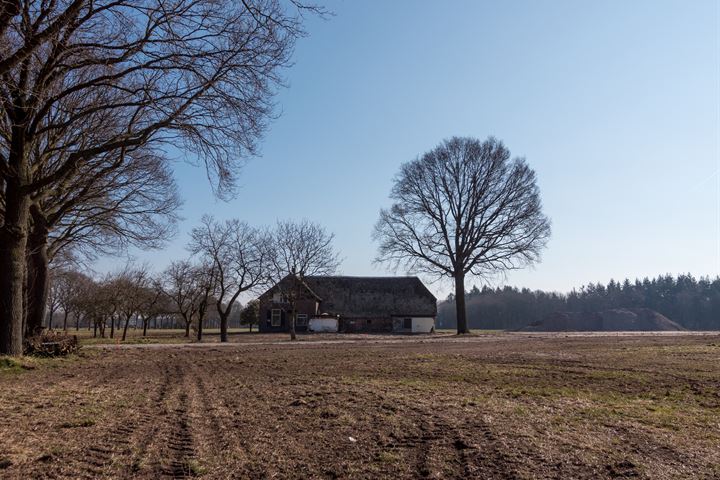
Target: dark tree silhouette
250, 315
463, 208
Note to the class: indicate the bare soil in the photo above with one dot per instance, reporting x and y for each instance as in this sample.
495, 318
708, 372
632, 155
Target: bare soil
334, 406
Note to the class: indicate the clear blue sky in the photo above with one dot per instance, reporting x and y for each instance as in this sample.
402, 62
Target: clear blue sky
615, 104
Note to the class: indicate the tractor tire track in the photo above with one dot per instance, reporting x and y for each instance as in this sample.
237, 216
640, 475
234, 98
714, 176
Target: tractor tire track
147, 423
113, 454
232, 437
176, 452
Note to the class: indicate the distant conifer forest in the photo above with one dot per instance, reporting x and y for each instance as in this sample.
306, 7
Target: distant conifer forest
692, 302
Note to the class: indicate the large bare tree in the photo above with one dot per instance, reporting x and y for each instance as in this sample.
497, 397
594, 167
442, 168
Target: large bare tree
109, 209
104, 78
299, 250
240, 258
463, 208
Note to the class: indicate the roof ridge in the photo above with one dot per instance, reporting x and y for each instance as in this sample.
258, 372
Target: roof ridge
362, 276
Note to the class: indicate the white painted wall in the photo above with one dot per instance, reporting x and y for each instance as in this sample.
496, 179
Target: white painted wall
323, 325
422, 324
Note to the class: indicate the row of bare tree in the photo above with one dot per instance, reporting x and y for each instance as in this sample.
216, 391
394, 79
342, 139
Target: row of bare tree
228, 259
95, 98
114, 300
132, 296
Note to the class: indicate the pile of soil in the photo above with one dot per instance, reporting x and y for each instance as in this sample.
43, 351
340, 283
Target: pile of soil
615, 320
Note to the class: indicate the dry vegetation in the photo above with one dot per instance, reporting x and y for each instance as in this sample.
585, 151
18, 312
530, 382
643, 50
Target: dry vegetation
495, 406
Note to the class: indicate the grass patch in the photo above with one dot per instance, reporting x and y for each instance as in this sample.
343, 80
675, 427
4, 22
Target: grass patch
389, 457
195, 468
85, 422
9, 364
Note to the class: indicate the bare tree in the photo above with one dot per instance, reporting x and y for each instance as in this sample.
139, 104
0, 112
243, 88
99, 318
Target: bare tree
179, 285
100, 79
154, 303
78, 291
205, 283
131, 285
189, 289
109, 294
93, 301
109, 209
300, 249
240, 259
55, 299
65, 285
463, 208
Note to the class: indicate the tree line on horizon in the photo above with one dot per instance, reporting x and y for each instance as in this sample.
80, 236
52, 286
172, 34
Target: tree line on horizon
693, 303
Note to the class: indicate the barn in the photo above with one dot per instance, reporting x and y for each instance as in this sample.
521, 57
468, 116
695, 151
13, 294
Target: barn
349, 304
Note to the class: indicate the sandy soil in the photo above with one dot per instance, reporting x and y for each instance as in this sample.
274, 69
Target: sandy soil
493, 406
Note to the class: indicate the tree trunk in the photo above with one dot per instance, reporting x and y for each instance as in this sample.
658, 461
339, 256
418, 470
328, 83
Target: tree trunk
145, 325
293, 336
224, 326
187, 329
37, 275
65, 322
77, 322
462, 326
14, 238
200, 329
95, 326
50, 317
13, 243
127, 322
112, 326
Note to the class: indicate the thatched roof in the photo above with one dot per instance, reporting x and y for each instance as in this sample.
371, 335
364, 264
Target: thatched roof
373, 296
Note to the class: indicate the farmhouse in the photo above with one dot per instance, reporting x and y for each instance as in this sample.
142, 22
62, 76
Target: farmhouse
349, 304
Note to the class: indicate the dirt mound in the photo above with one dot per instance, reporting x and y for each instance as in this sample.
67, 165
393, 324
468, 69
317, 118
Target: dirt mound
615, 320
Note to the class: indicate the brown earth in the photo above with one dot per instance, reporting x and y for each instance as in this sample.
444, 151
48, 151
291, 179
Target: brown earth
494, 406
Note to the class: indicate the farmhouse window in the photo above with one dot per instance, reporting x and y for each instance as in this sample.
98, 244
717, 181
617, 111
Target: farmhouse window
276, 317
407, 323
301, 319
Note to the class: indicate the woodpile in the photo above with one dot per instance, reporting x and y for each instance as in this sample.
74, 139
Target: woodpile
51, 344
